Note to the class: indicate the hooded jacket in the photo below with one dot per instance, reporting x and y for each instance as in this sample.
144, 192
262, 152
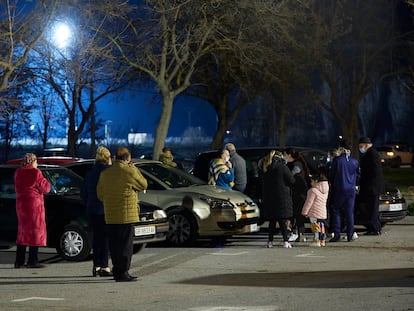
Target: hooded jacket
316, 198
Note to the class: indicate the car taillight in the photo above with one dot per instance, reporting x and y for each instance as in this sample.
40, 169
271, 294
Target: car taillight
390, 153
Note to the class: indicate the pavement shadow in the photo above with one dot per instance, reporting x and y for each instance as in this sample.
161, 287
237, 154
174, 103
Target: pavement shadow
319, 279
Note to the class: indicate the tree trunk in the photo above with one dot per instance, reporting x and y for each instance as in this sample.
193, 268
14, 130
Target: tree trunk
163, 125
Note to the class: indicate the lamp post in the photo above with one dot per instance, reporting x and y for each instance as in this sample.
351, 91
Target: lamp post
61, 37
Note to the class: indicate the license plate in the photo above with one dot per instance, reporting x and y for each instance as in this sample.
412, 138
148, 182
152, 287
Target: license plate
254, 228
395, 207
144, 230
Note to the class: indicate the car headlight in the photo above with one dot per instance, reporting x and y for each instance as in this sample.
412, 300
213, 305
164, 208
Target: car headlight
217, 203
159, 214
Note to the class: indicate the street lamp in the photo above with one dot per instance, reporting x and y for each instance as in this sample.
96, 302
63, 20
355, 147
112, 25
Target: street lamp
61, 37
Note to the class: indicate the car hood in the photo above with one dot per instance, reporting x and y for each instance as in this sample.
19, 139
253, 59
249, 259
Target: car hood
215, 192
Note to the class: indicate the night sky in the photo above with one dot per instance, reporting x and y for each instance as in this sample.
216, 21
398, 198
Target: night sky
140, 111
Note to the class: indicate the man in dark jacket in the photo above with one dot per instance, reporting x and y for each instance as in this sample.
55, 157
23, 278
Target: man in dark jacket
372, 184
344, 174
239, 166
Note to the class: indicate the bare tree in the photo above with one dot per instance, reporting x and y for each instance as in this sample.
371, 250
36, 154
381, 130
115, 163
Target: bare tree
357, 55
83, 72
164, 40
22, 26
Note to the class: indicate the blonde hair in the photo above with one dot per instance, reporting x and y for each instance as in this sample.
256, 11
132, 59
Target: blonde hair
103, 154
268, 160
28, 159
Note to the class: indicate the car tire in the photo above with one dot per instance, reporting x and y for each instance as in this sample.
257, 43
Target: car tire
182, 229
396, 163
74, 243
138, 247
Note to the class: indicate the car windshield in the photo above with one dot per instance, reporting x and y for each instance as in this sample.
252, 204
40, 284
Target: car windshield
172, 177
384, 148
62, 180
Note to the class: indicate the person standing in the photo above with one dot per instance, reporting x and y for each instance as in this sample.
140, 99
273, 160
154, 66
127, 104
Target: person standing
167, 158
344, 174
315, 208
30, 186
221, 172
239, 166
118, 188
300, 171
277, 198
95, 211
371, 184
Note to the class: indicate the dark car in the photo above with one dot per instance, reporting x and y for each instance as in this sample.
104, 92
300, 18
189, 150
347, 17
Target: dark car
66, 220
392, 204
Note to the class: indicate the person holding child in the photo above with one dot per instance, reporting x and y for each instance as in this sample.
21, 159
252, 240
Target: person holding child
315, 208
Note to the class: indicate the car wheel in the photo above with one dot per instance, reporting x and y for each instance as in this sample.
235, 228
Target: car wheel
74, 243
396, 163
138, 247
182, 229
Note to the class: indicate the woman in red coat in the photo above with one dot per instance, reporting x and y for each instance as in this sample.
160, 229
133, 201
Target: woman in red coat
30, 185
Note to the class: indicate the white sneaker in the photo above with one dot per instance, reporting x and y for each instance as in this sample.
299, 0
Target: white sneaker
315, 244
269, 244
286, 244
293, 237
354, 237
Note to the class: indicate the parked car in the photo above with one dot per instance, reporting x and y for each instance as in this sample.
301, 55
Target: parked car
392, 204
194, 208
66, 220
57, 160
395, 155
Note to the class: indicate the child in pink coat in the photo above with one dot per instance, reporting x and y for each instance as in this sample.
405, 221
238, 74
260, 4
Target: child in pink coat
315, 208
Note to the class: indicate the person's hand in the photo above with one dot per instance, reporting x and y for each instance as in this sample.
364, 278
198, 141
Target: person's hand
228, 164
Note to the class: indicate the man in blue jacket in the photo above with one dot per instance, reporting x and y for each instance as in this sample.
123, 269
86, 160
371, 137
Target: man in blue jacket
344, 174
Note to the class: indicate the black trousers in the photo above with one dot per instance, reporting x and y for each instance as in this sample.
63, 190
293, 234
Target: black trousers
283, 228
371, 206
100, 241
21, 255
121, 248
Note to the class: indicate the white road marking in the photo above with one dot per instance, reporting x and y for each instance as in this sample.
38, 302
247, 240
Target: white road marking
310, 255
37, 298
229, 254
241, 308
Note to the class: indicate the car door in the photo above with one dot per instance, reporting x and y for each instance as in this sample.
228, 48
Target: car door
8, 217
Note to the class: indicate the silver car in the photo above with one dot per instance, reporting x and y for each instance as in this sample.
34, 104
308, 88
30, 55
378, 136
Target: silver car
194, 208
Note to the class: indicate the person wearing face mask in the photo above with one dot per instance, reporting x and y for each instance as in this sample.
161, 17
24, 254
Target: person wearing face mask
221, 172
371, 184
343, 177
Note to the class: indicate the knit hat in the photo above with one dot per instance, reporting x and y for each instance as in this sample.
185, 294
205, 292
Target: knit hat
344, 144
365, 140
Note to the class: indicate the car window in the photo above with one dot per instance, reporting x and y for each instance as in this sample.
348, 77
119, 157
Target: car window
384, 149
63, 181
172, 177
7, 184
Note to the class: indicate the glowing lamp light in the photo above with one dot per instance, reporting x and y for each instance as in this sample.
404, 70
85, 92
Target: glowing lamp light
62, 34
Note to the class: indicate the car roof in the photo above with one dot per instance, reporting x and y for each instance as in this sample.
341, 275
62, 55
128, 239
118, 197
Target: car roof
48, 160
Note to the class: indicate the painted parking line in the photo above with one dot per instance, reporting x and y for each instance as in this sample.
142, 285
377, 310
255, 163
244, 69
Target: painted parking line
310, 255
238, 308
228, 254
38, 298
